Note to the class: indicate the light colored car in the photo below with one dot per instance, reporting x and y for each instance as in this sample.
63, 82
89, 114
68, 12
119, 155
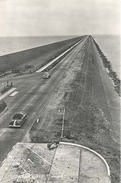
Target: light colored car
46, 75
17, 120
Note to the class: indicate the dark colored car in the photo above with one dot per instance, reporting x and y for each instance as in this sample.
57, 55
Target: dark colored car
17, 120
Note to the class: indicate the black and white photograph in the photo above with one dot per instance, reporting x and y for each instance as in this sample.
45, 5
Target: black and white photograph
60, 91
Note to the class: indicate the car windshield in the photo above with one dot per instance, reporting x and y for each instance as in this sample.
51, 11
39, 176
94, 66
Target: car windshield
18, 116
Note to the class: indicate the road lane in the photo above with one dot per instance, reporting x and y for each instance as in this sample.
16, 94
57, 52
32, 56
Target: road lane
25, 86
36, 105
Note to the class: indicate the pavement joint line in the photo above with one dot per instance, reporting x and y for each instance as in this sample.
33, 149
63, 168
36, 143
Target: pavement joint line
41, 157
79, 166
54, 168
32, 89
28, 103
91, 150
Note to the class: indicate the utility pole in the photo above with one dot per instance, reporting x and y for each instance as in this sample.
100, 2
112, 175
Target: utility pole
63, 124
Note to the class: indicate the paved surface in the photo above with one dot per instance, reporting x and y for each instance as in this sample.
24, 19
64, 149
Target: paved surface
66, 163
7, 93
33, 94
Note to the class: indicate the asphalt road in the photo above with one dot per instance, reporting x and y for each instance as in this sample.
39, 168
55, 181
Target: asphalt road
33, 94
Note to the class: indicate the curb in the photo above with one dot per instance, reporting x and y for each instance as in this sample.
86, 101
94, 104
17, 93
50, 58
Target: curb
92, 151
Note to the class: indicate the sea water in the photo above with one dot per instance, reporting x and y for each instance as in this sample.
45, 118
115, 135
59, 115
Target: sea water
15, 44
109, 44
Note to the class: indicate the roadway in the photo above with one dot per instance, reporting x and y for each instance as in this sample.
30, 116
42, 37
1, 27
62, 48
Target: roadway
33, 94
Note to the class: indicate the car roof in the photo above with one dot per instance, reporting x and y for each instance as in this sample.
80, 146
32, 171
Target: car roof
18, 114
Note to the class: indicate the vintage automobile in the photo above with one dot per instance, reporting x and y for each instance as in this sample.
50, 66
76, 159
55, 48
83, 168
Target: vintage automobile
17, 120
46, 75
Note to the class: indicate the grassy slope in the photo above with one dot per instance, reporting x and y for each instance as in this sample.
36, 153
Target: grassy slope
39, 55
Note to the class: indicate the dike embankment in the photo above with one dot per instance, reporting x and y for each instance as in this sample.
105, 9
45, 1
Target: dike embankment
34, 58
113, 75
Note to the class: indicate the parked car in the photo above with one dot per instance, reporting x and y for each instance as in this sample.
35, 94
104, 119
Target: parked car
17, 120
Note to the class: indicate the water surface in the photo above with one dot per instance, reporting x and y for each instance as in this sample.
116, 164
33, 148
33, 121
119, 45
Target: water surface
110, 45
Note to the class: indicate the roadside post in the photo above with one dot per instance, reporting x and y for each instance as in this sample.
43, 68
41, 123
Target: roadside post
63, 124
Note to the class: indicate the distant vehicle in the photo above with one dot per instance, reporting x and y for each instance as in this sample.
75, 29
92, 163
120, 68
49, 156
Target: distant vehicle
46, 75
17, 120
52, 145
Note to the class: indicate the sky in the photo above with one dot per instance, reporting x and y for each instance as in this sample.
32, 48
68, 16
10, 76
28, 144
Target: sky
59, 17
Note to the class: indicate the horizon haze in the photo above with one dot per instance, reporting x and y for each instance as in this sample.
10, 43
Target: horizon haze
57, 17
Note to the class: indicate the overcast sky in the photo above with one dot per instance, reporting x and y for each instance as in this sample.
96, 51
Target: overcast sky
58, 17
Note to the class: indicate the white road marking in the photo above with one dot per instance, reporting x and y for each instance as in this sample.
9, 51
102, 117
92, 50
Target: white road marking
29, 102
32, 89
30, 161
3, 131
13, 94
7, 93
51, 62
